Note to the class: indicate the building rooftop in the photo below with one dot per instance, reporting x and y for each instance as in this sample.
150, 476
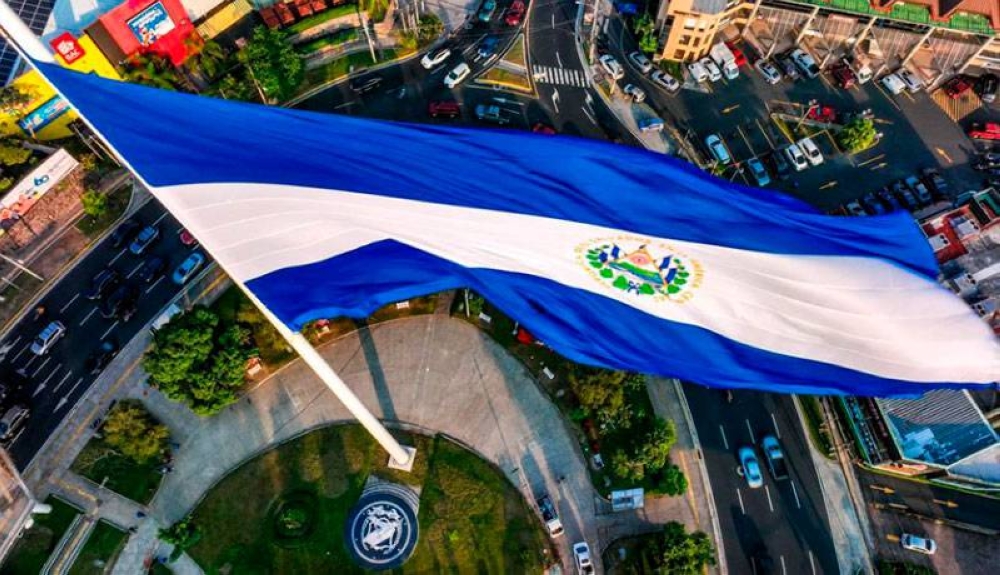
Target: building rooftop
939, 428
983, 467
709, 6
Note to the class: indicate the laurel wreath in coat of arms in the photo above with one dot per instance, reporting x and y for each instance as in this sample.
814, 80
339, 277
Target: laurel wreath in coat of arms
642, 267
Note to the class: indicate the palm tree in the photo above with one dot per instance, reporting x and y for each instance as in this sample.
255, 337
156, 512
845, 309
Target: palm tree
153, 70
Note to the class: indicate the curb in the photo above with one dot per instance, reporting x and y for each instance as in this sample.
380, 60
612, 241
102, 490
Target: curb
330, 83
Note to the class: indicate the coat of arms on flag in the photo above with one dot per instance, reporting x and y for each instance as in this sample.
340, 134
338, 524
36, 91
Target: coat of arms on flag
643, 267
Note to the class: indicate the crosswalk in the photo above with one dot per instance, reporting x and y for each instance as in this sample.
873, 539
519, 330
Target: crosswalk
561, 76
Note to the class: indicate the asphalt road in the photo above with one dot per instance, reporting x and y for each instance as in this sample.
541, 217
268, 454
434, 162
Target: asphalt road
54, 382
779, 528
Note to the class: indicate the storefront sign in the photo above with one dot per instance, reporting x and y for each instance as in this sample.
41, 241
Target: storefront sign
151, 24
66, 46
26, 193
43, 115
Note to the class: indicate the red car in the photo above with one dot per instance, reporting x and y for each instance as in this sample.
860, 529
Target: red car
541, 128
444, 109
187, 238
987, 131
844, 76
514, 13
741, 59
957, 86
825, 114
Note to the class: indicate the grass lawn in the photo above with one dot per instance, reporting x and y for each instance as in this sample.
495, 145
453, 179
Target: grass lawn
471, 519
32, 550
137, 482
507, 78
322, 18
117, 202
813, 413
99, 551
340, 67
516, 53
338, 37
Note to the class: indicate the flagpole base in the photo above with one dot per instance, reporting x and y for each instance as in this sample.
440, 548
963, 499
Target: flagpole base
406, 465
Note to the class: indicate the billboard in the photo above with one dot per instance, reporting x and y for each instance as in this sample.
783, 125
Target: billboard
66, 46
33, 186
151, 24
43, 115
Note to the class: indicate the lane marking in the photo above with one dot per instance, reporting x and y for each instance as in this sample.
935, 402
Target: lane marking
555, 100
750, 429
39, 368
725, 442
87, 317
30, 361
46, 380
944, 155
769, 502
62, 381
559, 59
783, 570
120, 254
795, 492
136, 269
740, 497
23, 349
153, 285
69, 303
110, 329
812, 563
775, 422
589, 115
72, 389
553, 20
159, 219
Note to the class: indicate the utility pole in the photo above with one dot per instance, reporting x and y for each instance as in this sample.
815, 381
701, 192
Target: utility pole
19, 265
368, 34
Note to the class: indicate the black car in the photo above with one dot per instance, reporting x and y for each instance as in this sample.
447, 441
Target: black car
788, 67
365, 83
937, 184
779, 165
151, 269
124, 233
102, 357
102, 284
986, 87
121, 304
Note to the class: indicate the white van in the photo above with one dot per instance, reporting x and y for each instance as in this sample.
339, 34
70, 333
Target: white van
165, 317
893, 84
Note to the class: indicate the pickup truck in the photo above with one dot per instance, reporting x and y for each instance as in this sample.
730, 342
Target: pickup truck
549, 515
775, 457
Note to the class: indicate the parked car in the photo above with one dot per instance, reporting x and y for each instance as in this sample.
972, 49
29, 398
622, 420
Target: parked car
100, 359
811, 150
738, 56
102, 284
641, 61
151, 269
718, 149
540, 128
488, 46
796, 157
698, 72
855, 209
788, 66
435, 57
759, 172
957, 86
515, 13
905, 197
611, 66
146, 237
889, 199
912, 81
873, 204
750, 467
937, 184
665, 81
919, 544
549, 516
124, 233
12, 421
769, 71
187, 238
844, 75
581, 556
780, 165
775, 457
635, 92
487, 10
805, 62
121, 304
188, 268
652, 124
714, 73
48, 337
920, 190
443, 109
458, 73
365, 83
986, 87
893, 84
492, 113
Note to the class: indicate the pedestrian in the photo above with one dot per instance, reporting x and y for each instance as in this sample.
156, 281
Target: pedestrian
140, 514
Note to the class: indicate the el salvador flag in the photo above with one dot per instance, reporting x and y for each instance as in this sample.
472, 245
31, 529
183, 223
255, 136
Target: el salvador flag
614, 256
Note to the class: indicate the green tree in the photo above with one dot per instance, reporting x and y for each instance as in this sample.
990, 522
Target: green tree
182, 535
197, 360
275, 65
95, 204
232, 88
12, 154
131, 430
601, 392
408, 41
654, 452
430, 28
153, 70
672, 480
14, 98
682, 553
645, 29
627, 467
858, 135
208, 61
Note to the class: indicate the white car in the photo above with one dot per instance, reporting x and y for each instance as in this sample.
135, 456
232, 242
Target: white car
796, 157
855, 209
893, 83
612, 67
805, 62
718, 149
457, 74
768, 70
811, 151
641, 62
698, 72
48, 337
714, 73
912, 81
918, 544
635, 92
665, 81
432, 59
581, 556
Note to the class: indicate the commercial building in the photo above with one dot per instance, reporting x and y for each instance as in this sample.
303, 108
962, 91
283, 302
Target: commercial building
16, 504
936, 38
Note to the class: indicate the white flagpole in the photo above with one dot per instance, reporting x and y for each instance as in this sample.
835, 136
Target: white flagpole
27, 43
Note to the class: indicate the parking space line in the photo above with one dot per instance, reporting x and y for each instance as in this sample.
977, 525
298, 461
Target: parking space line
69, 303
764, 132
739, 129
887, 96
158, 280
775, 422
134, 270
87, 317
39, 368
725, 442
750, 429
770, 504
795, 492
740, 497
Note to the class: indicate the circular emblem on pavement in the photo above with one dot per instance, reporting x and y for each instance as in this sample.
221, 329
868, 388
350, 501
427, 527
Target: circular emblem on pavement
381, 531
641, 266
